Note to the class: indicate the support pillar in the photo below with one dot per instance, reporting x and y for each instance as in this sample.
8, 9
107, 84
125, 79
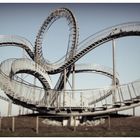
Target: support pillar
13, 124
81, 96
37, 124
21, 88
57, 101
109, 123
23, 110
74, 123
20, 110
133, 111
73, 83
36, 61
9, 108
34, 89
64, 87
114, 71
60, 99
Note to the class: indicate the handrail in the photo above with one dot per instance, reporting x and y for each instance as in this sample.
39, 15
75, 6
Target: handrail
117, 31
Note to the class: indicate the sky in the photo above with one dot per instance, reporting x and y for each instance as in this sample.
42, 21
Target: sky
26, 19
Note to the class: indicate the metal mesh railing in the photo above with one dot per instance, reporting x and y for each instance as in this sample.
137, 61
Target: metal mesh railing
121, 29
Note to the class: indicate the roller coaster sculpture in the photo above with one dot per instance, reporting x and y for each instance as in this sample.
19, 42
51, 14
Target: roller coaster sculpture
58, 100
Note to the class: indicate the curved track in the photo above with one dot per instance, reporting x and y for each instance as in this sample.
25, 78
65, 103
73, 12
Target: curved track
32, 68
13, 66
73, 40
13, 40
55, 15
94, 68
56, 100
118, 31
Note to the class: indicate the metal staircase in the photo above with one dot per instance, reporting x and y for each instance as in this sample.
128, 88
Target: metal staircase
51, 99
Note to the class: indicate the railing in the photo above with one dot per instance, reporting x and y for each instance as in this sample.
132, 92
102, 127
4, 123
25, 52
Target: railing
83, 97
16, 39
4, 98
99, 97
100, 36
14, 86
12, 40
125, 94
62, 12
27, 64
95, 67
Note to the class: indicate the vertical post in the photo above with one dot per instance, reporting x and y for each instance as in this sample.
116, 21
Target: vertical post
70, 94
20, 110
21, 88
36, 61
34, 88
26, 111
23, 110
73, 82
64, 87
133, 111
9, 108
74, 117
60, 99
81, 96
114, 71
13, 124
129, 91
37, 124
57, 101
109, 123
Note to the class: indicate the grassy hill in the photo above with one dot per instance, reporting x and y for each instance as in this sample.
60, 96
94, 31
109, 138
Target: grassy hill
25, 126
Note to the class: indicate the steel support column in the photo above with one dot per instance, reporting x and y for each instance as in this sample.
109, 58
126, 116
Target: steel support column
114, 71
73, 83
133, 111
64, 87
9, 108
13, 124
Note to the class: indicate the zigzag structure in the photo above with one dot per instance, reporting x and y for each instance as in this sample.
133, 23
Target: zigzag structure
58, 100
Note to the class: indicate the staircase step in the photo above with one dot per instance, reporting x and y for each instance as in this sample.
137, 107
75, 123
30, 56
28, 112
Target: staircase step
136, 100
100, 108
117, 104
128, 102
